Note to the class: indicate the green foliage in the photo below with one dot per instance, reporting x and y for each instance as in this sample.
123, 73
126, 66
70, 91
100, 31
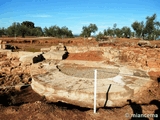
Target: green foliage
138, 27
114, 28
37, 31
3, 31
100, 34
126, 32
105, 32
157, 30
14, 29
112, 32
132, 34
108, 32
65, 32
150, 30
87, 30
92, 28
46, 31
118, 32
28, 24
56, 31
26, 28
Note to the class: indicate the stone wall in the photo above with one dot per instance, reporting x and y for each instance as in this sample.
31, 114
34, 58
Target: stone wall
2, 46
145, 58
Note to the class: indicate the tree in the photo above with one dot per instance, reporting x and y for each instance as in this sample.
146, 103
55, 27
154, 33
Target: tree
46, 32
56, 31
157, 30
86, 31
24, 30
138, 27
114, 28
28, 24
14, 29
92, 28
149, 29
37, 31
109, 32
98, 37
132, 34
3, 31
126, 32
64, 32
105, 32
27, 28
53, 31
118, 32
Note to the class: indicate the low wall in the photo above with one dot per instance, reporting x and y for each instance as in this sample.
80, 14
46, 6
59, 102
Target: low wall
145, 58
20, 53
2, 46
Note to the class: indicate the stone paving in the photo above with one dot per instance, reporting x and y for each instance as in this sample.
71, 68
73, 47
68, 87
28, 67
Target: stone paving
72, 81
115, 85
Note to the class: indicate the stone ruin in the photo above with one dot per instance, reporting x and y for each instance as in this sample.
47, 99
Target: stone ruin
144, 43
5, 45
71, 81
2, 45
130, 74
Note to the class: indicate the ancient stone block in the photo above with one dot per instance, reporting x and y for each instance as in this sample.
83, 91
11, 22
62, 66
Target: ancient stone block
32, 58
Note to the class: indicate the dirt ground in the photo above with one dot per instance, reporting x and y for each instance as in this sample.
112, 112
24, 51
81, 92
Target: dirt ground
28, 105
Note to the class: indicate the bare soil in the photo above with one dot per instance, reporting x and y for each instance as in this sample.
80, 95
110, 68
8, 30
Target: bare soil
28, 105
89, 56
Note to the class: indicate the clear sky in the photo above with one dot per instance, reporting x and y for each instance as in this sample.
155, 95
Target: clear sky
75, 14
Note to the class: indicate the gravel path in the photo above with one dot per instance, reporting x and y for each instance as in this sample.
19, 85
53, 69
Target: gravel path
88, 72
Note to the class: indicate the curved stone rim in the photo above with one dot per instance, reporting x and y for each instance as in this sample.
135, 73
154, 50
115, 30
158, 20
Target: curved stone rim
56, 86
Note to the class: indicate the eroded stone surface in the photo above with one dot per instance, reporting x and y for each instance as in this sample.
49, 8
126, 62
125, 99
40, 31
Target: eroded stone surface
78, 90
13, 74
71, 81
32, 58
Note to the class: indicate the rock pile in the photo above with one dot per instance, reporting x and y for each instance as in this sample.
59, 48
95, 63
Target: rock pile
13, 73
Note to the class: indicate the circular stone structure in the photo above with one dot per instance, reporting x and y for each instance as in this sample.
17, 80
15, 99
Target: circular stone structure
87, 72
72, 81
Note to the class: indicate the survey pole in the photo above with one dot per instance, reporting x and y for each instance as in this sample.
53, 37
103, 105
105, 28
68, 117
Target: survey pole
95, 89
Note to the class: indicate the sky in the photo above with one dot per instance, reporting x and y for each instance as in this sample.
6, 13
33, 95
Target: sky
75, 14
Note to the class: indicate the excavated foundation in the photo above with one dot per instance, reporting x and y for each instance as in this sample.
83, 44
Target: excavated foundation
72, 81
123, 73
